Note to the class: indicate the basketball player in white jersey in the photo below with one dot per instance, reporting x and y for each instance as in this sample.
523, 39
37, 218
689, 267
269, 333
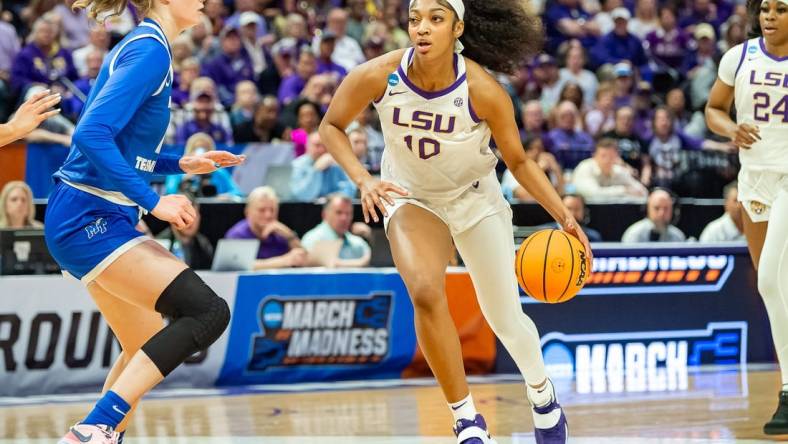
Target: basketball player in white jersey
754, 77
438, 108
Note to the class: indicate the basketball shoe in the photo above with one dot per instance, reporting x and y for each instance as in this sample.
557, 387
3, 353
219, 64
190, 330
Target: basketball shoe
778, 425
550, 426
90, 434
472, 432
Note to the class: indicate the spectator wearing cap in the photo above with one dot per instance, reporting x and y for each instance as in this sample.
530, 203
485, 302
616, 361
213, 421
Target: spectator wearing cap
237, 19
668, 43
325, 65
347, 51
42, 60
230, 67
619, 45
264, 126
567, 143
623, 84
602, 17
249, 24
548, 81
575, 72
705, 50
203, 108
316, 174
98, 41
292, 86
566, 19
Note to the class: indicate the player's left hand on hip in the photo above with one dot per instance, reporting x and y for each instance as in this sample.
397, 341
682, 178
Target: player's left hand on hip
210, 162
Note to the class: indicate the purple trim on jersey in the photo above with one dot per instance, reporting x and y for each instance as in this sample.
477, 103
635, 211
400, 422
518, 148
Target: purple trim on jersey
741, 60
471, 111
763, 48
430, 94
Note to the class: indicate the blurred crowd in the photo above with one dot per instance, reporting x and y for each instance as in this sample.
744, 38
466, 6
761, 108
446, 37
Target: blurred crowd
610, 110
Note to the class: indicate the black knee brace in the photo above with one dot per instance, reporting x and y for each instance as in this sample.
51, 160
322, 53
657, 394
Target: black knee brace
199, 317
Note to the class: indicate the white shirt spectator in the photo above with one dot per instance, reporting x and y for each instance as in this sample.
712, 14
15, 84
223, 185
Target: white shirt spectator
722, 229
644, 230
594, 185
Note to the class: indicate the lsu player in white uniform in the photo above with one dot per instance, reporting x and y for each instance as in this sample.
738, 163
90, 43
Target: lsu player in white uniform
754, 77
438, 108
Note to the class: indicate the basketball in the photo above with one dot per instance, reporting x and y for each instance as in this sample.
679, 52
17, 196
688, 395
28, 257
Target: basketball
551, 266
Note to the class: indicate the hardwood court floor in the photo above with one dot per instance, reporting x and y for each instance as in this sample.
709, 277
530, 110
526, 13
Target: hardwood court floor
704, 407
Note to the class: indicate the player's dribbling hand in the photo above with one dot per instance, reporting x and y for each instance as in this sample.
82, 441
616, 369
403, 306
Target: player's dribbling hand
746, 135
175, 209
209, 162
373, 195
571, 226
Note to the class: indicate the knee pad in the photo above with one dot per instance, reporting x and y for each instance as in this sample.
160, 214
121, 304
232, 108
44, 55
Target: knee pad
199, 317
188, 296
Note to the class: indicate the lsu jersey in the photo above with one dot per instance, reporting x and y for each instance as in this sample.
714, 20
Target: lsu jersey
760, 82
436, 146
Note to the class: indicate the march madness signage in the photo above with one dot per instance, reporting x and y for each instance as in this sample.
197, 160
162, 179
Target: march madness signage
319, 327
302, 331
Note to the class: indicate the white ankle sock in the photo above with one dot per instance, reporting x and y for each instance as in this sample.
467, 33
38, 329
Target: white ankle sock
463, 409
785, 387
542, 396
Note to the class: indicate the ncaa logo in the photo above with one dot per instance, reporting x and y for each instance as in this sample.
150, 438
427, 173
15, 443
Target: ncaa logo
752, 49
393, 79
458, 102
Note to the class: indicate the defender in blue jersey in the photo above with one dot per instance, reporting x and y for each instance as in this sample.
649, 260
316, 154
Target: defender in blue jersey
102, 190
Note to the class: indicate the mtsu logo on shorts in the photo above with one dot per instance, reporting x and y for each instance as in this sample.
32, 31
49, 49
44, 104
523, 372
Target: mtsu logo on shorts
99, 226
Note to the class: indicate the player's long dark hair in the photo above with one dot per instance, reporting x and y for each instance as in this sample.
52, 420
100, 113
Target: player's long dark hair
754, 15
500, 34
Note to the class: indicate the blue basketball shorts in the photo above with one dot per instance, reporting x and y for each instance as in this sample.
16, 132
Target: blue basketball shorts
85, 233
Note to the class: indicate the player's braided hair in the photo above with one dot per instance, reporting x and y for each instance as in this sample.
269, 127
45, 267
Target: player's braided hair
500, 34
754, 15
114, 7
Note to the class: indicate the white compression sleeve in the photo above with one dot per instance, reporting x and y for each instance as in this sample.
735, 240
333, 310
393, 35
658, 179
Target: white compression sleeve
773, 278
488, 252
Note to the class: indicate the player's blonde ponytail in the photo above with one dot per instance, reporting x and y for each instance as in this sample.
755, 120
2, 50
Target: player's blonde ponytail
97, 8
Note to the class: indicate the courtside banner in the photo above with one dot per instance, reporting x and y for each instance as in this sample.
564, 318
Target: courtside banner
54, 340
324, 326
651, 313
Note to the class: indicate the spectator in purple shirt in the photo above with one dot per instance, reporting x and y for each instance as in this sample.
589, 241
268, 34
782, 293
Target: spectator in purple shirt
566, 19
230, 67
292, 86
325, 65
705, 51
203, 108
668, 44
569, 144
279, 245
620, 45
42, 60
190, 70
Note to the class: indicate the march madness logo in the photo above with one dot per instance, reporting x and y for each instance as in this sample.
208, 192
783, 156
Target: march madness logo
720, 343
347, 330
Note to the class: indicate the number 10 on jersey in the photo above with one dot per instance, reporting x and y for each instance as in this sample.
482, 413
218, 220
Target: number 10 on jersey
427, 147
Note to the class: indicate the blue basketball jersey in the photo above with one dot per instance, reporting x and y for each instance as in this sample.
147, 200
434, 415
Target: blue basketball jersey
117, 143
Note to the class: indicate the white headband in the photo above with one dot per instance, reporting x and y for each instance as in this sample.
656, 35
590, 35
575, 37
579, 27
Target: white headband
459, 8
767, 1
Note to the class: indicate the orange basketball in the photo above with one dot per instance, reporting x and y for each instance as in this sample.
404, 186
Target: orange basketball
551, 266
